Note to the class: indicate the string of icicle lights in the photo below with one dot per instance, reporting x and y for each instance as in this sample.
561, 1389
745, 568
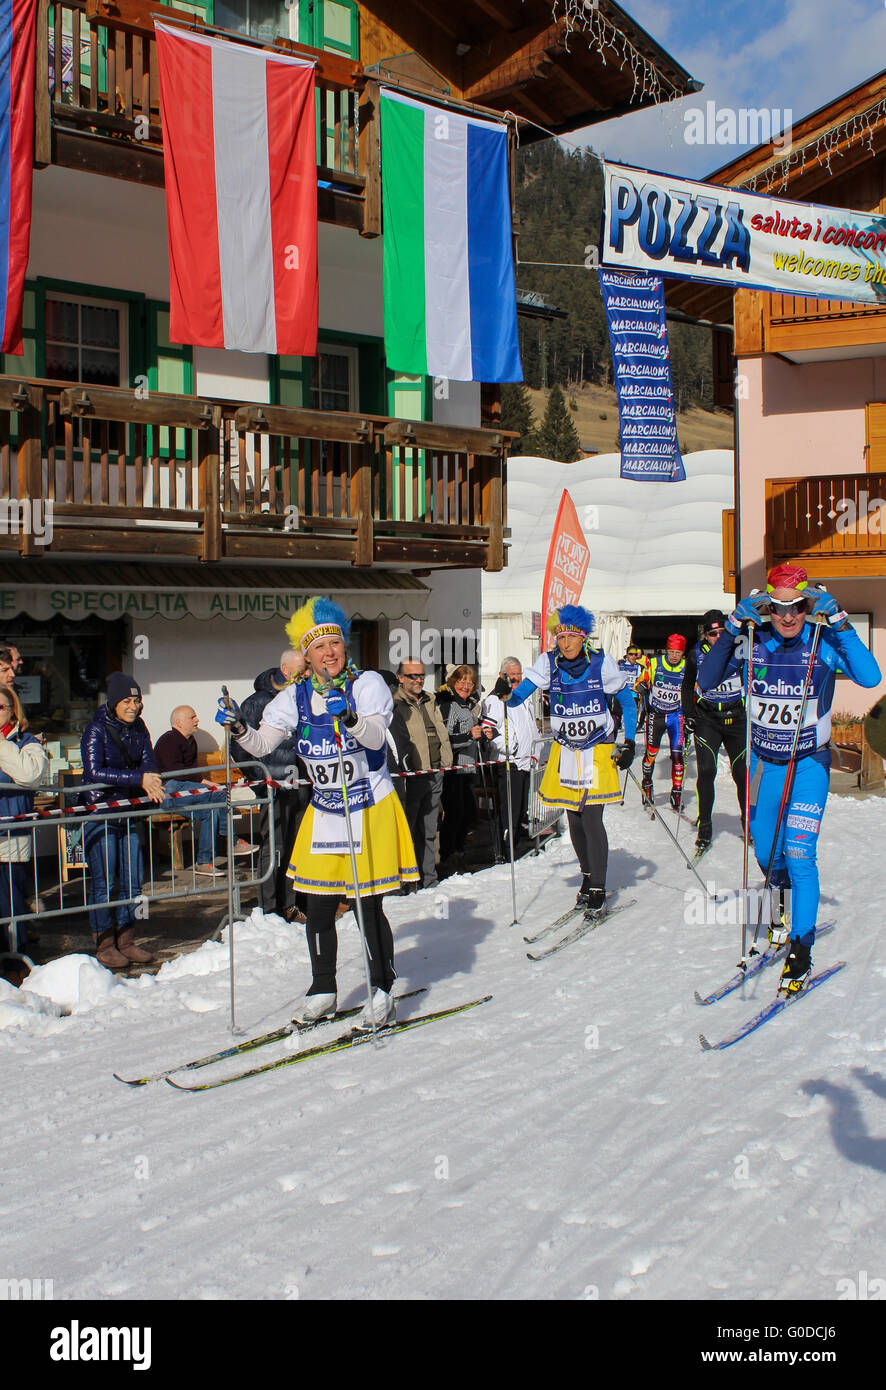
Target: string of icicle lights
862, 126
585, 17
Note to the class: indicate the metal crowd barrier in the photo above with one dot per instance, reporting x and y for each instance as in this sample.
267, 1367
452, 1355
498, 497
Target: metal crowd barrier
51, 887
539, 816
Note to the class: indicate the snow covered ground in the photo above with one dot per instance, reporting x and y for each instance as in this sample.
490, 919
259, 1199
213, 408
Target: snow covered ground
568, 1140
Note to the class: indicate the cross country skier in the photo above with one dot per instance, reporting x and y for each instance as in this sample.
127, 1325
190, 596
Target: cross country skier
581, 775
783, 813
714, 716
328, 689
664, 684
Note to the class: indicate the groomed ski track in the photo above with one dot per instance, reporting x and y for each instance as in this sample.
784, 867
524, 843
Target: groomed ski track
568, 1140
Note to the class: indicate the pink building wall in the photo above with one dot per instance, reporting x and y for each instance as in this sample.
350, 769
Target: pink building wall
802, 420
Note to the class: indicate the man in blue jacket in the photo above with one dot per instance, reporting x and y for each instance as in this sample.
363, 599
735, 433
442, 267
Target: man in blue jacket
117, 754
785, 813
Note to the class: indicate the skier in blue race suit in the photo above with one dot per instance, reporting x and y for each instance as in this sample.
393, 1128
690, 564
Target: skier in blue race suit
782, 648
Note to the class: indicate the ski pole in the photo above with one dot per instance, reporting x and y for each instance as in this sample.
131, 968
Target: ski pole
747, 798
358, 905
678, 847
229, 829
789, 775
510, 815
486, 779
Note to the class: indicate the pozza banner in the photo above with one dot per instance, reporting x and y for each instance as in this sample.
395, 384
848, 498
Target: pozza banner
701, 231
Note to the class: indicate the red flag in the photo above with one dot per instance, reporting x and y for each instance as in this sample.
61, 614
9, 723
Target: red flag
240, 163
568, 560
17, 22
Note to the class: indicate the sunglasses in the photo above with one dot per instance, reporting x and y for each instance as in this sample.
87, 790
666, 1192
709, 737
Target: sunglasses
785, 608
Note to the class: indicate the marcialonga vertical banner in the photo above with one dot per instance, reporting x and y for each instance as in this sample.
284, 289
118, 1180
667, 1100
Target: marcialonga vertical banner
641, 360
568, 560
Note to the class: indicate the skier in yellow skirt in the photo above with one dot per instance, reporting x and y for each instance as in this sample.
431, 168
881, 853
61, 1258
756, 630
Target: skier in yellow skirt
581, 775
329, 688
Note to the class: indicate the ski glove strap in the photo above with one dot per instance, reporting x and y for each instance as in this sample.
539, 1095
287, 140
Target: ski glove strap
826, 606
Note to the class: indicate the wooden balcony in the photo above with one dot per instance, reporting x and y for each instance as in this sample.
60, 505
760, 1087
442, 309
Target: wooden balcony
834, 526
128, 473
794, 323
98, 105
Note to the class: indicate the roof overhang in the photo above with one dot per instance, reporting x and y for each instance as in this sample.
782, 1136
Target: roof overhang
559, 73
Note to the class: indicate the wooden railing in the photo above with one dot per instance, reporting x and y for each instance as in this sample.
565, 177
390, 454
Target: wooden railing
141, 473
835, 525
98, 100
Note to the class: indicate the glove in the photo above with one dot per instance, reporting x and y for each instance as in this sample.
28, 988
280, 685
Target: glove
337, 705
522, 692
826, 606
689, 723
230, 714
624, 756
501, 688
748, 611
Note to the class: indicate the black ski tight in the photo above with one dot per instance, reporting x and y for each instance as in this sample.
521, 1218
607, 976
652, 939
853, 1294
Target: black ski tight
323, 943
590, 842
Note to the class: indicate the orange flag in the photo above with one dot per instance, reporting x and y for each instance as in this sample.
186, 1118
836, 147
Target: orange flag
568, 560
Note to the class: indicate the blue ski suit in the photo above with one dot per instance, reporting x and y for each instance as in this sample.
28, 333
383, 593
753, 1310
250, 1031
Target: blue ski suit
779, 672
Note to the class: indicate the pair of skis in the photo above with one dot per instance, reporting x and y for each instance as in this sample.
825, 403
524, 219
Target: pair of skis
585, 925
782, 1001
339, 1043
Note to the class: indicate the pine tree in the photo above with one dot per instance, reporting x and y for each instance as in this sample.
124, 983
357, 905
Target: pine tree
558, 437
516, 413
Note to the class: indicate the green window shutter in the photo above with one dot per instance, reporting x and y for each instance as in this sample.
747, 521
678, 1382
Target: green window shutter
30, 363
170, 369
290, 380
334, 26
408, 399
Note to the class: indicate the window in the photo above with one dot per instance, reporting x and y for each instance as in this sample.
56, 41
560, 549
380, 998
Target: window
333, 384
85, 340
262, 19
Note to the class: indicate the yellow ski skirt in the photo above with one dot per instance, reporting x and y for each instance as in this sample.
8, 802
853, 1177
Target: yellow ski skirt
386, 859
598, 775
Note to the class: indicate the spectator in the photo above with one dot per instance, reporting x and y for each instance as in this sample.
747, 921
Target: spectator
23, 764
176, 751
522, 735
8, 668
459, 704
275, 892
117, 754
429, 748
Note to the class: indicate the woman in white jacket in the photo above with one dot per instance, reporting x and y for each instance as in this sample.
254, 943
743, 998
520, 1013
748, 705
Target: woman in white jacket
23, 765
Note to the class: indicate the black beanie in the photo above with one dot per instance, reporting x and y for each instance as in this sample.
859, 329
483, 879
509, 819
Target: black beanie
120, 687
713, 615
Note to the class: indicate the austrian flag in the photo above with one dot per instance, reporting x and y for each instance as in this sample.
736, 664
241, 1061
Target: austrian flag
240, 163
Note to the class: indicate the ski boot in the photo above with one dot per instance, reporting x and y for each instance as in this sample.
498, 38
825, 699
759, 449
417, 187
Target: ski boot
316, 1008
676, 798
596, 906
382, 1011
583, 892
703, 840
797, 968
646, 787
779, 928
